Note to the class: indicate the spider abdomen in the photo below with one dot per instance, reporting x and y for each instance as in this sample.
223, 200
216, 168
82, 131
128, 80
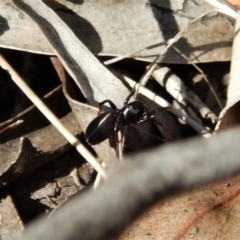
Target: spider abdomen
101, 128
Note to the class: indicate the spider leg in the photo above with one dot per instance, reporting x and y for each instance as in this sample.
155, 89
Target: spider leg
128, 98
148, 116
120, 141
118, 127
124, 136
118, 146
164, 130
112, 105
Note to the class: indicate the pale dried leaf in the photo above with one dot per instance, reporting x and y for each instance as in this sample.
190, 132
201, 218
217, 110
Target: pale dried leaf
33, 145
116, 28
80, 63
10, 222
16, 26
233, 91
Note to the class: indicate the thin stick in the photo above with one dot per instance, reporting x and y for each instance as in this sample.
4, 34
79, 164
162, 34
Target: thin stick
154, 64
51, 117
120, 145
203, 75
176, 88
98, 178
163, 103
128, 55
13, 125
222, 8
27, 110
97, 182
75, 177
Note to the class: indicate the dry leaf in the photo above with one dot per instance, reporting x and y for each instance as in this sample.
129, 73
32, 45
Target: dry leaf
86, 70
206, 42
233, 91
11, 224
29, 145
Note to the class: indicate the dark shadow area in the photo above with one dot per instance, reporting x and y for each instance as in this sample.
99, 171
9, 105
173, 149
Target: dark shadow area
174, 57
34, 120
215, 72
169, 27
54, 39
39, 74
79, 2
236, 33
51, 181
83, 29
3, 25
209, 47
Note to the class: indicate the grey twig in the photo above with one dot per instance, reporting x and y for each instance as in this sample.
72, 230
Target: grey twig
137, 183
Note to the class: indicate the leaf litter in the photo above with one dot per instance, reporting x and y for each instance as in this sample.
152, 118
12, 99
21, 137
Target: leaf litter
86, 71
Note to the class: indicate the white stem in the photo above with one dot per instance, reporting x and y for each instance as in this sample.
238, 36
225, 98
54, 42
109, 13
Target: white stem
51, 117
163, 103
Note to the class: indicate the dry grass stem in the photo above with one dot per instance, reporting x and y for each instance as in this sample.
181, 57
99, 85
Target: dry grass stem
176, 88
98, 179
128, 55
203, 75
13, 125
163, 103
51, 117
154, 64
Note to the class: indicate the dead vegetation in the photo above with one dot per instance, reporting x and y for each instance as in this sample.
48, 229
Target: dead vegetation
177, 175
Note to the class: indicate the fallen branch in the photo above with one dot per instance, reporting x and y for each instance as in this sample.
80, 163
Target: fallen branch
137, 183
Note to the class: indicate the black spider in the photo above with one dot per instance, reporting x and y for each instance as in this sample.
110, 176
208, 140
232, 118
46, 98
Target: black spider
110, 122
